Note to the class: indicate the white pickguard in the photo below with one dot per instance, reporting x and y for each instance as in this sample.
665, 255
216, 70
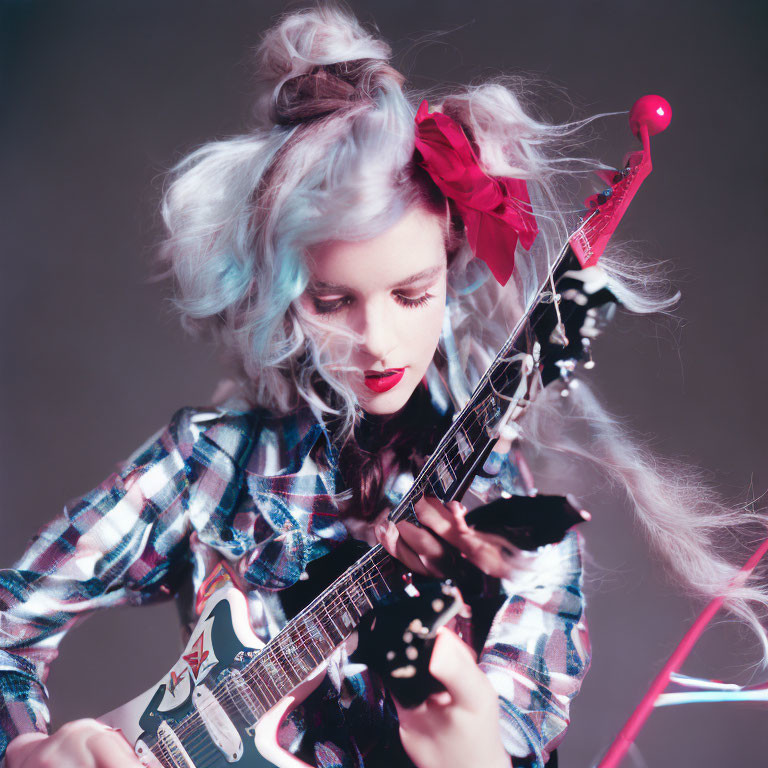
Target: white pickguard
180, 681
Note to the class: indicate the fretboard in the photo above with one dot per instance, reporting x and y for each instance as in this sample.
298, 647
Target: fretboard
312, 635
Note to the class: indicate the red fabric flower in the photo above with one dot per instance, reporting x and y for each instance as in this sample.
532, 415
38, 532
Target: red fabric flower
496, 211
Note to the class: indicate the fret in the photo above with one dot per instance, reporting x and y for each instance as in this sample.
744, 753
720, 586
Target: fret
378, 591
382, 578
339, 614
295, 654
329, 625
444, 474
471, 427
240, 691
275, 670
432, 485
359, 598
316, 630
346, 603
346, 616
269, 664
486, 411
463, 444
259, 679
306, 634
285, 660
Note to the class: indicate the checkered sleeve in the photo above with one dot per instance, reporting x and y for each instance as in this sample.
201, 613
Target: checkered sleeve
537, 651
122, 543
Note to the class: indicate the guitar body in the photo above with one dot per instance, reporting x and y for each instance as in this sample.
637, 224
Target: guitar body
177, 723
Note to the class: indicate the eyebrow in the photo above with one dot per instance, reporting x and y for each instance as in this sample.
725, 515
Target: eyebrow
425, 274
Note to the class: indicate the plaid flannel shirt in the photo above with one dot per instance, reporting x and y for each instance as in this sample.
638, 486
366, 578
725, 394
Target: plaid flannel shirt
244, 486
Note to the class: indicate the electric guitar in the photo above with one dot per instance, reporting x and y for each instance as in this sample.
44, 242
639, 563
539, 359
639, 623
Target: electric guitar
223, 701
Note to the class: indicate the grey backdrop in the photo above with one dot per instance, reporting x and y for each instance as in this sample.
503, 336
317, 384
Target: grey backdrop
98, 99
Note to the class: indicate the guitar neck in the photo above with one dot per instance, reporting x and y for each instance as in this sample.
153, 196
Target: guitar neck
312, 635
462, 451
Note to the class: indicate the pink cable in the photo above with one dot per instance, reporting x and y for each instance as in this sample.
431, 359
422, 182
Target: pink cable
632, 727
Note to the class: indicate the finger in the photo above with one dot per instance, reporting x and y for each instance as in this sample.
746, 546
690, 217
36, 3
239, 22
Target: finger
459, 512
453, 664
425, 718
437, 554
390, 539
488, 552
111, 750
422, 540
433, 513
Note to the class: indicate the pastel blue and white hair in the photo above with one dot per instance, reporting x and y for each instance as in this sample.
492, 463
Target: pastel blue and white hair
243, 213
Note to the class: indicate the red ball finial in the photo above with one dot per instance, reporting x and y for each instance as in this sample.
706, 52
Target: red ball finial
652, 111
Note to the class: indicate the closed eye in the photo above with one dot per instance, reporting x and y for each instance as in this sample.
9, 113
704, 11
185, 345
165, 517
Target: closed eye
413, 301
330, 306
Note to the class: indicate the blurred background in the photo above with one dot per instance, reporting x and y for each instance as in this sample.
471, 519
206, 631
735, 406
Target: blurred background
99, 99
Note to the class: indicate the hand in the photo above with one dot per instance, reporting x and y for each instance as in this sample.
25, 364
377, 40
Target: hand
424, 550
79, 744
459, 726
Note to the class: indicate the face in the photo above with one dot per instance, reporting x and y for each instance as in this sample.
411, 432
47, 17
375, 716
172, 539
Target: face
390, 292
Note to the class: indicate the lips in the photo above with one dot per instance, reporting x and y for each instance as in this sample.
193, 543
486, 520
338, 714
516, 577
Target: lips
381, 382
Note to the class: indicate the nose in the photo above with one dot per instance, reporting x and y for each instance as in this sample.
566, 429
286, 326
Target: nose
378, 332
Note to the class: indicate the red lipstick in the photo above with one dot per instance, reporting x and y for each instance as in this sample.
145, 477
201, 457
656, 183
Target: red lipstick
381, 382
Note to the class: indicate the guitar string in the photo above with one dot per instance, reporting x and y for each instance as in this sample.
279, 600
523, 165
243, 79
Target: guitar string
510, 343
265, 702
270, 653
210, 748
164, 750
367, 580
364, 580
273, 653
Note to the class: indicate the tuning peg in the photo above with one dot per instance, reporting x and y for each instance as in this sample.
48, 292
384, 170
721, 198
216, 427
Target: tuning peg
650, 111
567, 368
586, 345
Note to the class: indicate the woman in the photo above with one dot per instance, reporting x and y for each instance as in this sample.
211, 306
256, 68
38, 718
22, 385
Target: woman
327, 261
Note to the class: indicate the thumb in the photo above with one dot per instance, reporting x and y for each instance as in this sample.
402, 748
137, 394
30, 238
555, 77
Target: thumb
454, 664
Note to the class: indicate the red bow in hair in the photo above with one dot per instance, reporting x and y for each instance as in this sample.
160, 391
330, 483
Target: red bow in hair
496, 211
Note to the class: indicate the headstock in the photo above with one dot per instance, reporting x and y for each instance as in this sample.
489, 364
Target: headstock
649, 115
566, 325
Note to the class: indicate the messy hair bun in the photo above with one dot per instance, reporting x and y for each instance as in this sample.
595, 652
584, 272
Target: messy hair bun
317, 61
328, 88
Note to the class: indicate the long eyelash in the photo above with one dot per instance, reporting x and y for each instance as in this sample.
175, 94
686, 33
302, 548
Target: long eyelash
329, 307
419, 301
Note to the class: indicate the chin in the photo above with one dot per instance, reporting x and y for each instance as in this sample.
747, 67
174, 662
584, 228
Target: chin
385, 403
